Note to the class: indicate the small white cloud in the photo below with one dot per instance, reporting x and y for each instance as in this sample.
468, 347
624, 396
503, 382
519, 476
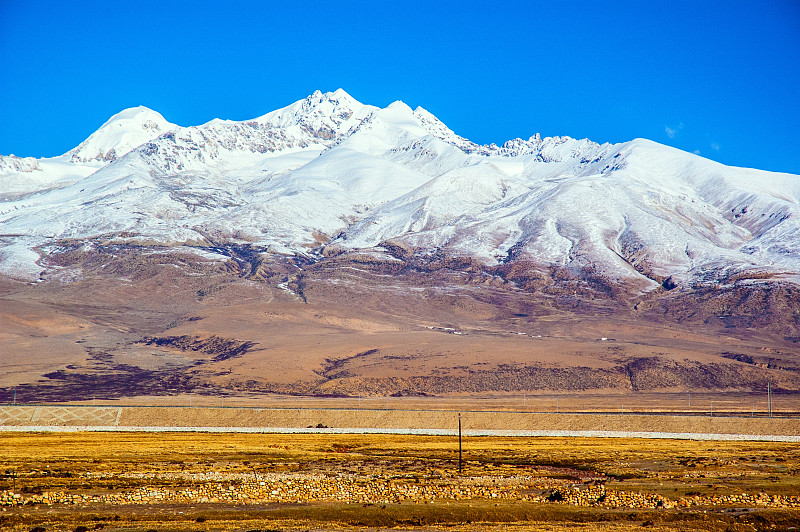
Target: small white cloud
715, 146
697, 152
673, 131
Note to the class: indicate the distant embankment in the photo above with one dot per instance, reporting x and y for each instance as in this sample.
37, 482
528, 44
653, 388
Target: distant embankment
474, 423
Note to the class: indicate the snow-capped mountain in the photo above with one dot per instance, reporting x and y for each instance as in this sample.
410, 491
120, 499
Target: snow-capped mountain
119, 135
328, 170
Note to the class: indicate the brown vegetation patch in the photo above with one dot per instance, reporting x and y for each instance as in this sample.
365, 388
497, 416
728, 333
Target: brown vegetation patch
766, 306
219, 348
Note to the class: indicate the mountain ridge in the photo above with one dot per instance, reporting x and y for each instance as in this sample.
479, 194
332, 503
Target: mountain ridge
330, 171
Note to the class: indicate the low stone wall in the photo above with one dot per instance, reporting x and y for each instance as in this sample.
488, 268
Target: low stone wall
256, 488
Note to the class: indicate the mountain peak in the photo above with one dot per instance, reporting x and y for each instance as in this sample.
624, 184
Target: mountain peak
341, 95
323, 114
438, 129
120, 134
399, 104
131, 112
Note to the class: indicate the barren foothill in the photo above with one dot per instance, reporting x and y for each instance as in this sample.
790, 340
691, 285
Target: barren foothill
131, 325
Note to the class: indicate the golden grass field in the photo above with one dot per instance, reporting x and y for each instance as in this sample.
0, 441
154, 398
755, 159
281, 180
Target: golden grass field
506, 483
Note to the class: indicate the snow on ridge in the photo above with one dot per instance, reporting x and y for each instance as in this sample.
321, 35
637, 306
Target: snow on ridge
330, 167
549, 149
322, 115
12, 164
120, 134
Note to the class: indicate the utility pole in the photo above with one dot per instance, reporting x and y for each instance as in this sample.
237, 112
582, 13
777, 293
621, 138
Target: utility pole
711, 411
459, 443
15, 396
769, 399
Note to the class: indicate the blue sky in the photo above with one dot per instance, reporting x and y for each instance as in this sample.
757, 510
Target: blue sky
718, 78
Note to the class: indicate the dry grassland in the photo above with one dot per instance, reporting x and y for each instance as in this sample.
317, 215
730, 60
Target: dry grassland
195, 481
400, 419
476, 422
